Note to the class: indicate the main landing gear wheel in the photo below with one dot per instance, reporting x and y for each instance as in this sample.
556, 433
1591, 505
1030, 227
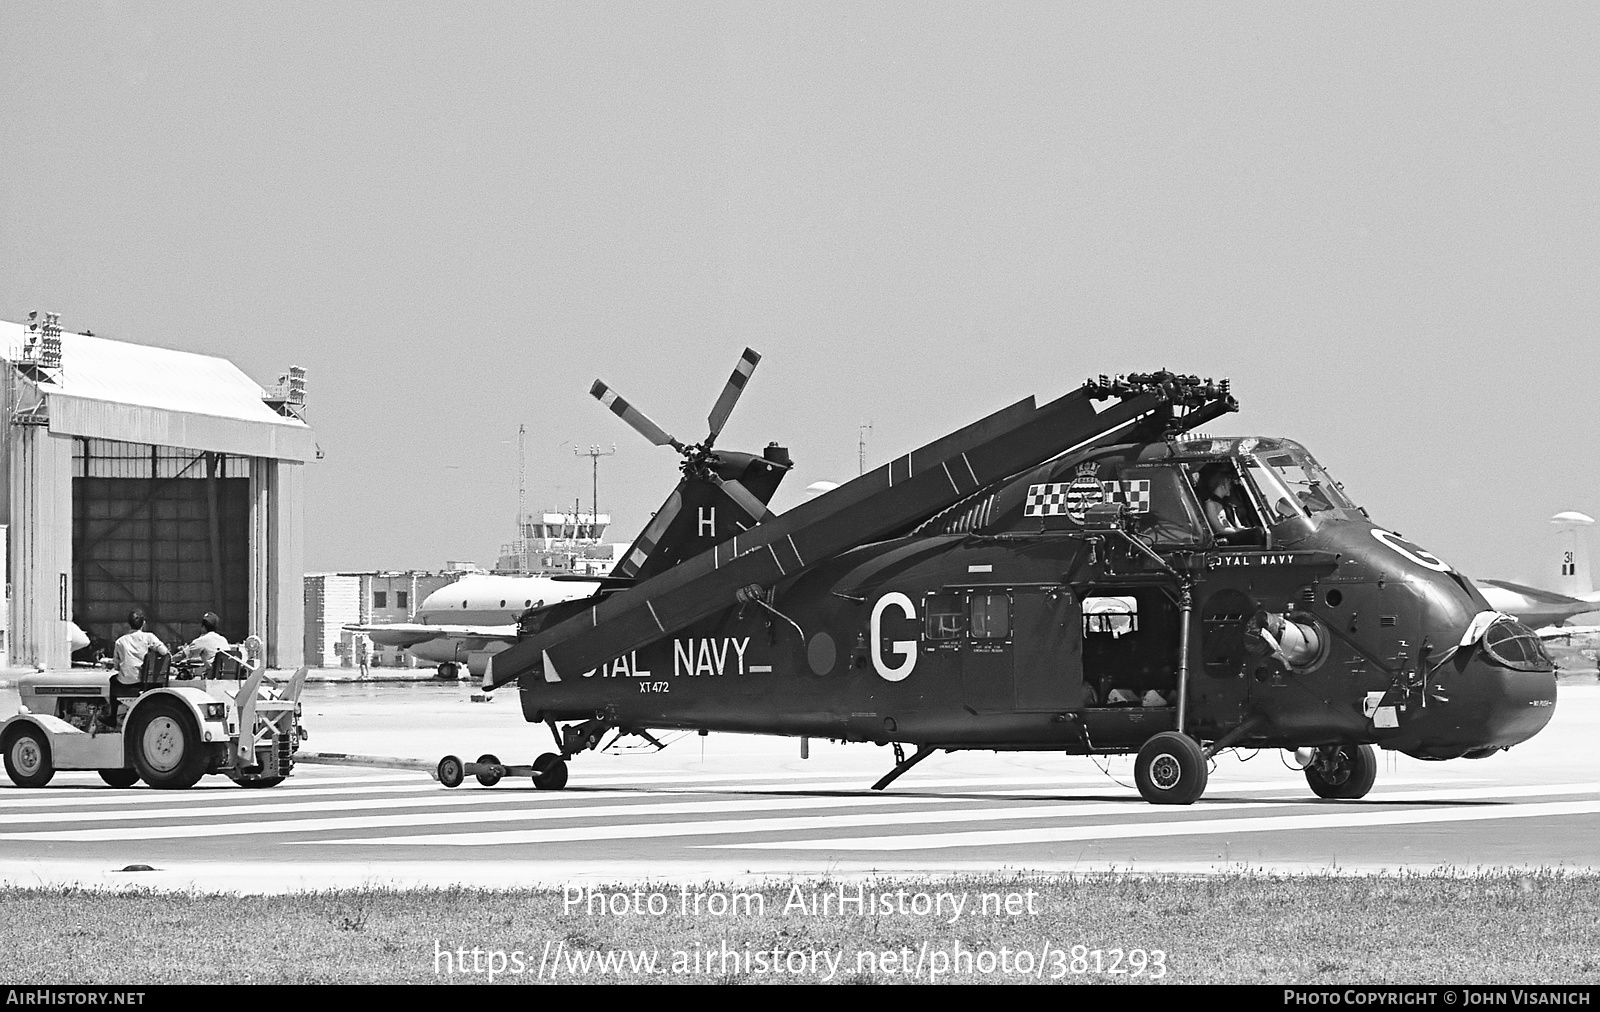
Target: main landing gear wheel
166, 747
1344, 773
451, 771
120, 778
27, 757
488, 779
1171, 770
549, 772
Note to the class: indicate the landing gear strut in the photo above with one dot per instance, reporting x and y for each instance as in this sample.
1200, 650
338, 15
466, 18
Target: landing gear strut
901, 764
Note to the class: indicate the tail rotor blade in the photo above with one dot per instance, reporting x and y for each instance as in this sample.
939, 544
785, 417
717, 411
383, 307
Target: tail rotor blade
632, 415
744, 497
730, 393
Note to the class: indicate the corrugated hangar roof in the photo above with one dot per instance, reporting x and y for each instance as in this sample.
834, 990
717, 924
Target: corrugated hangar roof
138, 394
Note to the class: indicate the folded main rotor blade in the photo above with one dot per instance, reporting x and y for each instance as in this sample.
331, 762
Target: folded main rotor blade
632, 415
887, 499
730, 393
744, 497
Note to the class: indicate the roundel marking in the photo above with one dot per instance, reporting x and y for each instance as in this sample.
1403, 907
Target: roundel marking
1421, 556
907, 649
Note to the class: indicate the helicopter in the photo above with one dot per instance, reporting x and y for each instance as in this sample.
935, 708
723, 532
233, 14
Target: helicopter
1090, 576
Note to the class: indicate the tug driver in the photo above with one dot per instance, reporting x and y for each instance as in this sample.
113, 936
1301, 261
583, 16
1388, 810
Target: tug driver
198, 655
130, 652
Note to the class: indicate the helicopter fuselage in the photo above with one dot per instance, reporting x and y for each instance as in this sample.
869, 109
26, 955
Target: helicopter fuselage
1091, 604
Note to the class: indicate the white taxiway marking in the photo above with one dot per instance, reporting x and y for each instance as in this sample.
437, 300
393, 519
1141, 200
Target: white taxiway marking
170, 832
223, 799
920, 816
774, 825
149, 798
1191, 827
530, 803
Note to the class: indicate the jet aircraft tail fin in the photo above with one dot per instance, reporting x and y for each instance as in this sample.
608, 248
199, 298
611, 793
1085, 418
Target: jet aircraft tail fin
1572, 576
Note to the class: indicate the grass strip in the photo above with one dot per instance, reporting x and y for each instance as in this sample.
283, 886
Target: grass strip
1230, 928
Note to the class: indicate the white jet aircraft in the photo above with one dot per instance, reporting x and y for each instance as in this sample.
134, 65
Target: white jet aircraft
471, 620
1572, 589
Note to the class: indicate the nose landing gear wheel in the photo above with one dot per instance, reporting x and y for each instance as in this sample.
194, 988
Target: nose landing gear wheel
549, 772
1344, 773
1171, 770
27, 757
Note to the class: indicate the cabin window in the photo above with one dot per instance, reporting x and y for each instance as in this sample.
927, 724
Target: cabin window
946, 616
989, 616
1160, 501
1110, 616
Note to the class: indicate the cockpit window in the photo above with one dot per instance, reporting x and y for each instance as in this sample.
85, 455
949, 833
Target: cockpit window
1281, 503
1292, 484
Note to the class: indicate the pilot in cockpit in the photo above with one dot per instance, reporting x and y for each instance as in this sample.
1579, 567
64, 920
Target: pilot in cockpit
1223, 506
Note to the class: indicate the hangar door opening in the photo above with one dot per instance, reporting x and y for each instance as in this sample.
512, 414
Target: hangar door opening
161, 529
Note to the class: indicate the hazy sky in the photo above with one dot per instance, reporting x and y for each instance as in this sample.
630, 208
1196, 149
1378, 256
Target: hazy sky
1381, 221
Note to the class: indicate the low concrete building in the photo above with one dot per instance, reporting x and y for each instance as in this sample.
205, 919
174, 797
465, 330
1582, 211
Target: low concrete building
139, 477
378, 597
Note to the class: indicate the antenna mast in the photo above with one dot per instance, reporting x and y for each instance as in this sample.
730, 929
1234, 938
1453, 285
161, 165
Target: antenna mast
594, 453
522, 480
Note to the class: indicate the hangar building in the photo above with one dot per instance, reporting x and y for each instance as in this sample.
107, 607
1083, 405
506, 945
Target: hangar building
139, 477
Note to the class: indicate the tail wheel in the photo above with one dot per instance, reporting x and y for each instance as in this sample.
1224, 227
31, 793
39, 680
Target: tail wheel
1171, 770
166, 747
488, 779
120, 778
549, 772
1344, 773
27, 757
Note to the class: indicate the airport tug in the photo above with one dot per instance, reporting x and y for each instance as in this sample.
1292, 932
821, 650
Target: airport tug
167, 731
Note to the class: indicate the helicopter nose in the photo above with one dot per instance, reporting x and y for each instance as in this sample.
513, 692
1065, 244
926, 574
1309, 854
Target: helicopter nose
1515, 705
1501, 693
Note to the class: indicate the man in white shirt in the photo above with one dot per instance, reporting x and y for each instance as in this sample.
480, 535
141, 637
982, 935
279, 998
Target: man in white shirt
132, 648
200, 652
